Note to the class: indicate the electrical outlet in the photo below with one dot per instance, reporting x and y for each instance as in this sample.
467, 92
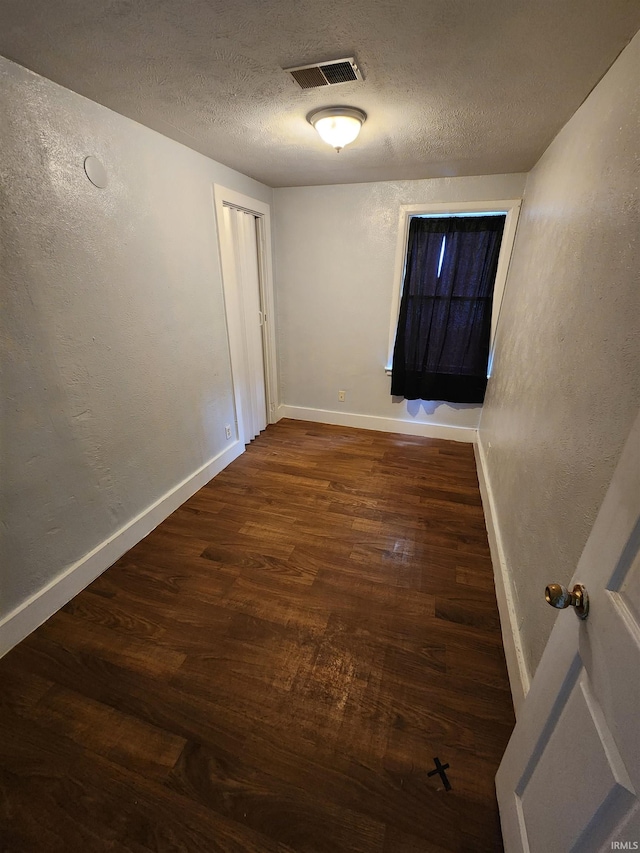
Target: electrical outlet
342, 396
227, 431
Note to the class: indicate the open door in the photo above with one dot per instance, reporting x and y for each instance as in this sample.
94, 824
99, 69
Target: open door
570, 776
244, 234
240, 229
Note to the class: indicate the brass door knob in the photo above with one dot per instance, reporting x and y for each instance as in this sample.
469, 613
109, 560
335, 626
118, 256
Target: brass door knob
559, 596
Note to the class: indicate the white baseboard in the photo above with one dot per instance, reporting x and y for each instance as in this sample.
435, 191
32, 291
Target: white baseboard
349, 419
517, 668
39, 607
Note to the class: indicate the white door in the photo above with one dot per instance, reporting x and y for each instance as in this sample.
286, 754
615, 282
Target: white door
570, 776
241, 231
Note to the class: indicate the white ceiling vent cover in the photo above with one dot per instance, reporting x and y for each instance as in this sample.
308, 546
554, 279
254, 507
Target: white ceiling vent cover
326, 73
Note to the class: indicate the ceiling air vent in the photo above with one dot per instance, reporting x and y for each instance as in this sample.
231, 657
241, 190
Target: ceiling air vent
325, 73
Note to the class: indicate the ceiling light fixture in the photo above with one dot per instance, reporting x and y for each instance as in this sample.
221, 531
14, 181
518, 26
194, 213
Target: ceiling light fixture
338, 125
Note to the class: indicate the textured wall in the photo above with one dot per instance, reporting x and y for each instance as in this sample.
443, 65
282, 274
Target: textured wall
116, 378
566, 379
335, 268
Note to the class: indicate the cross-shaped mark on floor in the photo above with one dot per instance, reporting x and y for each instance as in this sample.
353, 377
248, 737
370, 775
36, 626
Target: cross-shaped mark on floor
440, 768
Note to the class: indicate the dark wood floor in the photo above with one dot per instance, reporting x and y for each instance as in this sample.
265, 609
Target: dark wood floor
274, 668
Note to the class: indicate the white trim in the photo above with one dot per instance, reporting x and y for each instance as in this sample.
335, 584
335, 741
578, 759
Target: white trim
223, 195
351, 419
519, 677
41, 605
510, 206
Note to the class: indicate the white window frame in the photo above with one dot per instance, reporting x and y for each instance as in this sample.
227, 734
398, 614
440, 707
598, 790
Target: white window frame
510, 207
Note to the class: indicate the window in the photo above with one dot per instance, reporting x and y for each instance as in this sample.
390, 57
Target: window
442, 342
443, 323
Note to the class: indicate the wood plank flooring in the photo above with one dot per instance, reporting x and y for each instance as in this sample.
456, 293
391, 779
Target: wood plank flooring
274, 668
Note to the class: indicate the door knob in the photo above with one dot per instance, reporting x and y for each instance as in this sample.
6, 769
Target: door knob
559, 596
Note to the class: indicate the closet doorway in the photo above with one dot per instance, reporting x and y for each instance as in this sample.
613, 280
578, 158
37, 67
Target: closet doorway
245, 250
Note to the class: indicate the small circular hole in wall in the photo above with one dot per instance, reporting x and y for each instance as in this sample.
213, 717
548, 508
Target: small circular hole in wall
96, 172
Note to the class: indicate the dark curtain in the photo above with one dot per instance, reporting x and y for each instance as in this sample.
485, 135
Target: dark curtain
442, 343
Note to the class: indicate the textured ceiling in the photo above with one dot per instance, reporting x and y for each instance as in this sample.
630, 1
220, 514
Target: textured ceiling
452, 87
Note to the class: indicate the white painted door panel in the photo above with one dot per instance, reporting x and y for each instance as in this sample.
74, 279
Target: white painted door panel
250, 275
570, 776
249, 377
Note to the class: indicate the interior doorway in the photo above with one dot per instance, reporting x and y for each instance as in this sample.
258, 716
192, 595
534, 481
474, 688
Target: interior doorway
241, 228
244, 234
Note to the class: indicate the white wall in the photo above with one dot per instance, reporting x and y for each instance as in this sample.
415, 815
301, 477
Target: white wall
116, 376
566, 376
335, 268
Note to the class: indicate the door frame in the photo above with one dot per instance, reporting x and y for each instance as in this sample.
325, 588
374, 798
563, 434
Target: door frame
235, 329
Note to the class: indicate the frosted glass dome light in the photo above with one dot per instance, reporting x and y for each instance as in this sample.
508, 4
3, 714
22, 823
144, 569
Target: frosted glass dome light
338, 126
